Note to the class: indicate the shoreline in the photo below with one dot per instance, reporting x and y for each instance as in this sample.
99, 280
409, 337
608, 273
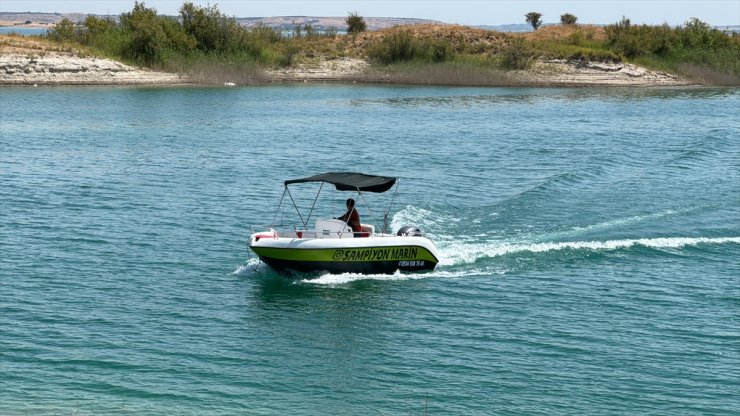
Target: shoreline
29, 62
64, 69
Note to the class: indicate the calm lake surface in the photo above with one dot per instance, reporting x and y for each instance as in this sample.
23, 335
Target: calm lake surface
590, 243
22, 30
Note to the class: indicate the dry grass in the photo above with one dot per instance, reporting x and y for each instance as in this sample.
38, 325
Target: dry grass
449, 74
708, 76
210, 73
11, 44
559, 33
462, 39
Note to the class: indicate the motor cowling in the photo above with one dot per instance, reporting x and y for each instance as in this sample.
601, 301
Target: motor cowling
409, 231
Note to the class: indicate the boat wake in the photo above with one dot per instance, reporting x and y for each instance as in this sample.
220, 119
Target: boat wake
461, 257
466, 253
617, 223
457, 255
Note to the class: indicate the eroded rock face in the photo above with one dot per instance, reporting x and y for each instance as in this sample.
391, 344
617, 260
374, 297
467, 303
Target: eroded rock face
561, 72
322, 70
69, 70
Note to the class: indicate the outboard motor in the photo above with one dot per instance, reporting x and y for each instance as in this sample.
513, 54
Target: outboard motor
409, 231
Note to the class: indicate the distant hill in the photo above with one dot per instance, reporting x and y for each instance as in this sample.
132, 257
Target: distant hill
283, 23
514, 27
287, 23
729, 29
41, 18
321, 23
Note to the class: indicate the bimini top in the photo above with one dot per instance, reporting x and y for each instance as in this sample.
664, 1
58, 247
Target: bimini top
350, 181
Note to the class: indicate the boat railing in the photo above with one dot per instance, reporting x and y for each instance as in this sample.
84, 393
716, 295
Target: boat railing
294, 232
255, 228
323, 234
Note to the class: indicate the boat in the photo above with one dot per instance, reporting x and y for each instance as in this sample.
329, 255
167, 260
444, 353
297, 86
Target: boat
331, 245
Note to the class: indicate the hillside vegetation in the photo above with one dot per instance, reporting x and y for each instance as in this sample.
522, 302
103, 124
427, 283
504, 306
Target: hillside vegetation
202, 41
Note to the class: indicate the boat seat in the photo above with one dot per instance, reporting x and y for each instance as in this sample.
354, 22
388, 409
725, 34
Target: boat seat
367, 230
332, 228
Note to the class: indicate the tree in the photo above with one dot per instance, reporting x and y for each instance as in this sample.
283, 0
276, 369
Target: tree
310, 31
148, 41
534, 19
696, 25
568, 19
213, 30
355, 24
297, 31
64, 30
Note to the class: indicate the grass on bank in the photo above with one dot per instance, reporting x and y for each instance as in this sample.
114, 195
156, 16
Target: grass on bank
694, 50
211, 47
447, 73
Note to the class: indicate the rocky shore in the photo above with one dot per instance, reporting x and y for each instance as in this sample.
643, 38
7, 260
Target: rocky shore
30, 61
560, 72
61, 69
58, 69
555, 73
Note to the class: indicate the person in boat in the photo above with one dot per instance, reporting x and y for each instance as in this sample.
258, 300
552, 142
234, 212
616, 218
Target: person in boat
352, 217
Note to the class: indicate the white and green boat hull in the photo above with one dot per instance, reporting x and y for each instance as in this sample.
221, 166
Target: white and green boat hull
348, 255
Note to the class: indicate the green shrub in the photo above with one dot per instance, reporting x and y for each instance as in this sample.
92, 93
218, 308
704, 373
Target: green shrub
65, 30
152, 37
286, 59
616, 31
262, 33
398, 46
355, 24
212, 30
96, 28
692, 45
576, 38
439, 51
516, 55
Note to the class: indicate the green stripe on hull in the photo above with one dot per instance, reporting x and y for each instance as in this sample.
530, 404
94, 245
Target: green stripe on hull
361, 254
364, 267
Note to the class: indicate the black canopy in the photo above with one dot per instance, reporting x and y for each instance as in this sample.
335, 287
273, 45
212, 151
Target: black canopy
350, 181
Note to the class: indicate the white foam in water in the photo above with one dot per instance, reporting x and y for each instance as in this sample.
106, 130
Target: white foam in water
463, 253
615, 223
425, 219
619, 222
250, 266
344, 278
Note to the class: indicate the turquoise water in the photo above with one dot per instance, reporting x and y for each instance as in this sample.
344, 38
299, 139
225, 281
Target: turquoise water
24, 31
590, 243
